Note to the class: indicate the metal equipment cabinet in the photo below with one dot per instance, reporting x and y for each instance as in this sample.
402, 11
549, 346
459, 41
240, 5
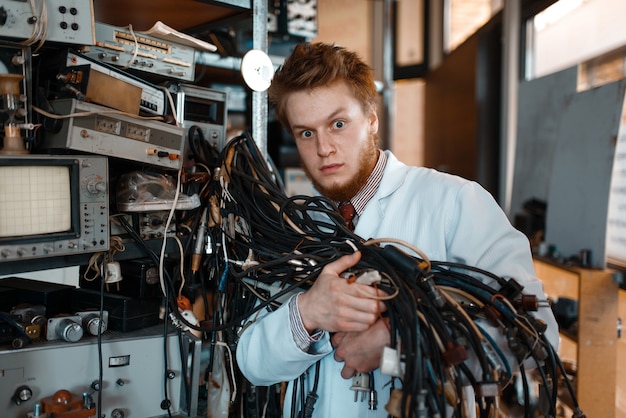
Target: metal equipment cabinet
595, 347
188, 16
183, 14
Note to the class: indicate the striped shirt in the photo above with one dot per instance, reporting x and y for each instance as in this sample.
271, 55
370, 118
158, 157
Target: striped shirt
362, 198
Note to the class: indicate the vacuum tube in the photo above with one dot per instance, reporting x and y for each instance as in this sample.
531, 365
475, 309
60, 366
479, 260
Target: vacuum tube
13, 142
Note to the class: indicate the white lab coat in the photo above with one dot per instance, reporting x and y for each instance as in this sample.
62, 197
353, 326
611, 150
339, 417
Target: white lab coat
445, 216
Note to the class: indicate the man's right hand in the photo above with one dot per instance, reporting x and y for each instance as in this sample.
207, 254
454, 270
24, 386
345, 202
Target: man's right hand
334, 304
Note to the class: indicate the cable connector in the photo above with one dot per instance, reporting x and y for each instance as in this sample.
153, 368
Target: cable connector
196, 257
368, 277
454, 354
390, 363
528, 303
188, 316
514, 344
373, 402
309, 404
428, 283
512, 289
422, 408
409, 265
394, 406
488, 389
114, 273
360, 385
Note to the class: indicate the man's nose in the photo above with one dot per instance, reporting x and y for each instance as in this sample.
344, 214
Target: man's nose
325, 145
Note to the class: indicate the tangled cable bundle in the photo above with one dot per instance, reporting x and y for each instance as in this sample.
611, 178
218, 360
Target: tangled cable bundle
437, 311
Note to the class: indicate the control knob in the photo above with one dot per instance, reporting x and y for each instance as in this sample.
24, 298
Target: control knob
68, 330
22, 394
18, 60
96, 186
96, 385
117, 413
94, 324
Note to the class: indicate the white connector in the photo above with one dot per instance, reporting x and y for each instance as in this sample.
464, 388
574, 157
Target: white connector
190, 317
114, 273
390, 363
369, 277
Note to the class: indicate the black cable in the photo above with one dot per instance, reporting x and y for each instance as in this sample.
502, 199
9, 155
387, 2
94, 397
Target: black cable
311, 397
294, 398
103, 275
262, 237
166, 404
183, 365
203, 152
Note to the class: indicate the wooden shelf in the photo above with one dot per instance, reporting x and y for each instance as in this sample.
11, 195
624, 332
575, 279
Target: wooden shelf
595, 347
180, 14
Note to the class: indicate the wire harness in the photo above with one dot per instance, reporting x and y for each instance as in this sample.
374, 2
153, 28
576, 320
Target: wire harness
256, 238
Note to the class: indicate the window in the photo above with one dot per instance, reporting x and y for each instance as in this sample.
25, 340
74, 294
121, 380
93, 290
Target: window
464, 17
555, 41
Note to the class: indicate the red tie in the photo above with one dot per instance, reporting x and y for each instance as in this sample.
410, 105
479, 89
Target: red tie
347, 213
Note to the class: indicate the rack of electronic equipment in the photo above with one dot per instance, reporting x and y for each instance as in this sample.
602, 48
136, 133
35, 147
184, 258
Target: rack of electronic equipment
117, 131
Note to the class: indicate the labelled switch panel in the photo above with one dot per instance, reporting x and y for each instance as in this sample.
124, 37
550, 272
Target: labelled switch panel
140, 133
107, 125
115, 135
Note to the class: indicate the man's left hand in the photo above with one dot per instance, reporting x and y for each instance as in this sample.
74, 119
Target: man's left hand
361, 351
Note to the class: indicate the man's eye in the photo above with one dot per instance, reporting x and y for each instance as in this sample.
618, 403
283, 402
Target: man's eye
339, 124
307, 134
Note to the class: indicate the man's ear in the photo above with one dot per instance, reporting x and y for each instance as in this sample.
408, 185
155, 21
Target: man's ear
373, 121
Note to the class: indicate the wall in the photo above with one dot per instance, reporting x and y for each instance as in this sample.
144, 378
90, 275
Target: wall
347, 23
352, 23
407, 141
451, 114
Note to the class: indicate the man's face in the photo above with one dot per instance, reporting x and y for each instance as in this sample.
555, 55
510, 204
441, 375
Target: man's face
336, 138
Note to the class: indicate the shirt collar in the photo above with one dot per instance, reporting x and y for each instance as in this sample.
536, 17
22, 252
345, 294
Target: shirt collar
360, 200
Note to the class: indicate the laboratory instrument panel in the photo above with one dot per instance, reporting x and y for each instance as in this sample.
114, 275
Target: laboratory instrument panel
67, 21
144, 53
53, 205
61, 377
204, 108
116, 135
51, 337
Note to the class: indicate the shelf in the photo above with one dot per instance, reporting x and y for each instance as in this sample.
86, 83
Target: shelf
180, 15
211, 59
132, 251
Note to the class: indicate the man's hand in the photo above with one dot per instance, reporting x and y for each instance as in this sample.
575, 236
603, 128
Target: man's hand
361, 351
333, 304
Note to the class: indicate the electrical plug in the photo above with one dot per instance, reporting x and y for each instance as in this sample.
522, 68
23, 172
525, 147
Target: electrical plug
390, 363
113, 273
